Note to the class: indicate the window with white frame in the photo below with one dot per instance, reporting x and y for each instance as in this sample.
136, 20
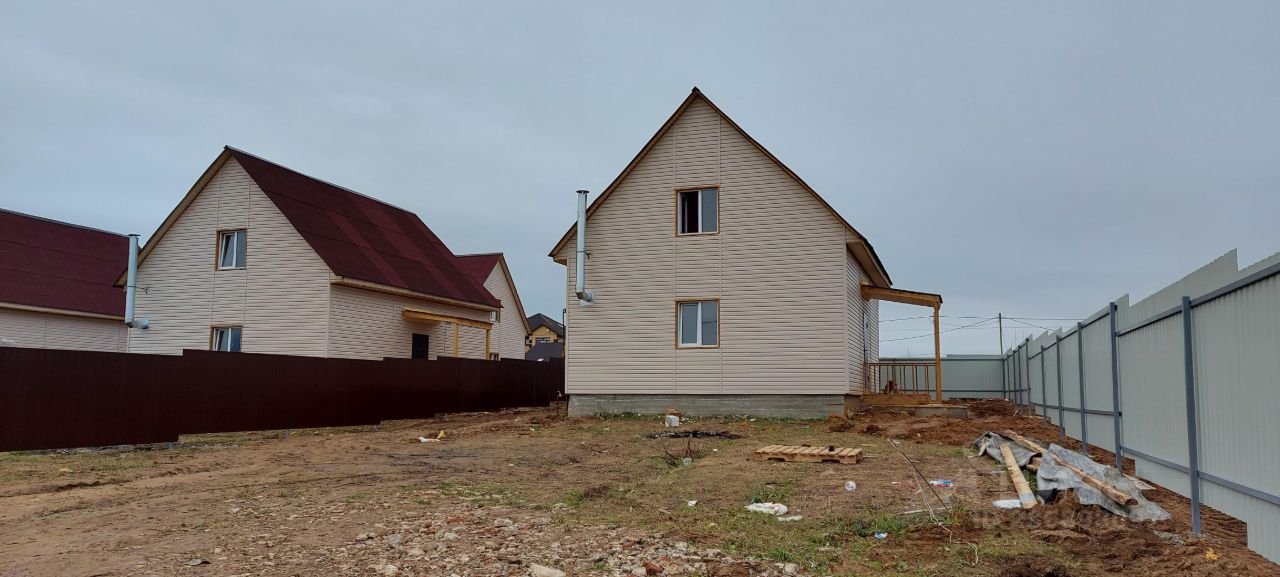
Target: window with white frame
226, 339
231, 248
699, 323
699, 211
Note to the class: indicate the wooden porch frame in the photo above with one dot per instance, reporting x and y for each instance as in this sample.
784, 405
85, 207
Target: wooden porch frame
421, 315
919, 299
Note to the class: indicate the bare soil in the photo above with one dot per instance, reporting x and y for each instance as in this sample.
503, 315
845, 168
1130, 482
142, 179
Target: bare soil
589, 496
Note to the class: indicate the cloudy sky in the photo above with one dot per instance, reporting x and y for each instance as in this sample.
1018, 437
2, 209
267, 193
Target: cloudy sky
1031, 158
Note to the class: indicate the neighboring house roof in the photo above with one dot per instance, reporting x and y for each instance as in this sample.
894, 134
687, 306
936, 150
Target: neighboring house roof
545, 351
541, 320
857, 244
54, 265
480, 265
358, 237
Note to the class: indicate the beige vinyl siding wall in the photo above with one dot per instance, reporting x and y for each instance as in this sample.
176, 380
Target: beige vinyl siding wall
777, 266
508, 333
42, 330
367, 324
863, 345
281, 297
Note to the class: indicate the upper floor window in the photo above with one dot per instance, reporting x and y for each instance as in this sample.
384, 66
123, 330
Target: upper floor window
231, 248
226, 339
699, 324
699, 211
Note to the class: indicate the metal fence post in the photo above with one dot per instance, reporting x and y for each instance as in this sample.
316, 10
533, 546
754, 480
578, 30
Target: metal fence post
1192, 442
1057, 359
1084, 416
1115, 386
1044, 388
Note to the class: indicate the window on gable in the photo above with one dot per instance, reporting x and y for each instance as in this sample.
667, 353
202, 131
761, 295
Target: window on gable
231, 248
699, 211
226, 339
699, 324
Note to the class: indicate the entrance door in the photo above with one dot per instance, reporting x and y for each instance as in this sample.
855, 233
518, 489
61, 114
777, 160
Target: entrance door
421, 344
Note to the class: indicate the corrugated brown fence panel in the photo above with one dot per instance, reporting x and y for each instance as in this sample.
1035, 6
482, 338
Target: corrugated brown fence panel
55, 399
52, 399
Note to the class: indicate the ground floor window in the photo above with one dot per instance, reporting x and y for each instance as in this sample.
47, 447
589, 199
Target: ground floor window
698, 323
225, 339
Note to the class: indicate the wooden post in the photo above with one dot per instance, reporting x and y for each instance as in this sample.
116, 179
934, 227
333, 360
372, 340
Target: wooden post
937, 354
486, 343
1025, 497
455, 338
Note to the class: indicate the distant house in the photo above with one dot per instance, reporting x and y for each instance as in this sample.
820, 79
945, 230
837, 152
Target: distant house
723, 283
544, 330
56, 285
510, 329
260, 258
545, 352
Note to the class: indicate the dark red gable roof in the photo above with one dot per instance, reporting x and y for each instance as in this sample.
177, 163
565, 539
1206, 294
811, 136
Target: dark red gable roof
51, 264
362, 238
478, 266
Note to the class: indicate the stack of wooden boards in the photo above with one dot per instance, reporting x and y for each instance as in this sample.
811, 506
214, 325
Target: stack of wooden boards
808, 454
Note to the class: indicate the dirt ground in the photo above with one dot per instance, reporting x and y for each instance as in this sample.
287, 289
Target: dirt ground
588, 496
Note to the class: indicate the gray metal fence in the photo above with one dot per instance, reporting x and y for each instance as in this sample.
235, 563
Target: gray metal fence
963, 376
1185, 382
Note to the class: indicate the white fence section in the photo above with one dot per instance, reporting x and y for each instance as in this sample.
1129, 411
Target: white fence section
1195, 373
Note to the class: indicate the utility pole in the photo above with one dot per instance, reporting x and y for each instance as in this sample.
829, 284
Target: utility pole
1000, 322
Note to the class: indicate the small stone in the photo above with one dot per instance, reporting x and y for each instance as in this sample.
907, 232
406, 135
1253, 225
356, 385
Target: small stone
790, 568
390, 570
394, 540
652, 568
503, 523
536, 570
197, 561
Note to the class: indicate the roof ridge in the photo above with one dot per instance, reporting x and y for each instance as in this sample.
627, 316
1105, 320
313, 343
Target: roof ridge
62, 222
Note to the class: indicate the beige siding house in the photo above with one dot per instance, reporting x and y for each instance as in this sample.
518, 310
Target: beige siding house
722, 283
56, 285
260, 258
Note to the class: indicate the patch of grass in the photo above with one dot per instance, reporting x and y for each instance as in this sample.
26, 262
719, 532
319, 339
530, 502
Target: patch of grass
772, 491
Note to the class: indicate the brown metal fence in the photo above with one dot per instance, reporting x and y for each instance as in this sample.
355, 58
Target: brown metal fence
53, 399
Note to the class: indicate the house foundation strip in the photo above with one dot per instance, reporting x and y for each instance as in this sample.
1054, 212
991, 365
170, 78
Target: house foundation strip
769, 406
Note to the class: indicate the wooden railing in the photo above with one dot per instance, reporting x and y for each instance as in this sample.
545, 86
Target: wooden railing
906, 376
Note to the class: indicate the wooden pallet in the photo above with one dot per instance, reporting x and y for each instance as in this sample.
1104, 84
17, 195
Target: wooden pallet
806, 454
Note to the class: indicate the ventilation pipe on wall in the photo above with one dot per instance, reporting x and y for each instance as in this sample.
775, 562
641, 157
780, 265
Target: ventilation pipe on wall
130, 286
585, 296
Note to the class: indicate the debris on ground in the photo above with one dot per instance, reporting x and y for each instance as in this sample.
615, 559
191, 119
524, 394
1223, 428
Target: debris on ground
809, 454
850, 485
1061, 469
775, 509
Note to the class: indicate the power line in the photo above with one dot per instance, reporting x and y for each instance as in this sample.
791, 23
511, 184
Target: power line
969, 326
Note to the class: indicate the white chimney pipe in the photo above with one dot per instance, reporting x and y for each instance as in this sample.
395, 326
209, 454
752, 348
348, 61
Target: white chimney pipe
130, 286
585, 295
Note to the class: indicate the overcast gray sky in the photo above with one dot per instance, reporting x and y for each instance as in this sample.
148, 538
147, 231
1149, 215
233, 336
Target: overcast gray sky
1031, 158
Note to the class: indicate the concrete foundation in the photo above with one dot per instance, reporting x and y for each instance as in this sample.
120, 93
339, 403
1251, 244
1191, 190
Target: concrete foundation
788, 406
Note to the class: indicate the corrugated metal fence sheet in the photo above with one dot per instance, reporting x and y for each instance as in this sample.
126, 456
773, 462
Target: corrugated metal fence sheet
1235, 343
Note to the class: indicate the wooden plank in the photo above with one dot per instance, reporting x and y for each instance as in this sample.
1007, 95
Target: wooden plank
1112, 493
1025, 497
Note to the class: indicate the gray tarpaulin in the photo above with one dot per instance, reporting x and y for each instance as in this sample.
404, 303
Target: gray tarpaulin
1054, 477
992, 443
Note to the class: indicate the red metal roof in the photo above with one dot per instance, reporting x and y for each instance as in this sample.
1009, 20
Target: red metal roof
51, 264
362, 238
478, 266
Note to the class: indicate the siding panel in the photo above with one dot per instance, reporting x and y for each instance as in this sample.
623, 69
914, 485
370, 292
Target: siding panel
41, 330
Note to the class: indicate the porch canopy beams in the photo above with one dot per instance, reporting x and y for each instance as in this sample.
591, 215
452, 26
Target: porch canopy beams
427, 316
918, 299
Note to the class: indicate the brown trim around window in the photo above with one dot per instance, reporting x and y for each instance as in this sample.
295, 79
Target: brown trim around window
217, 247
676, 212
677, 321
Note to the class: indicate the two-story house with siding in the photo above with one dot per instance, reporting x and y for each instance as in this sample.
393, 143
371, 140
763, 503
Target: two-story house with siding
722, 283
263, 259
